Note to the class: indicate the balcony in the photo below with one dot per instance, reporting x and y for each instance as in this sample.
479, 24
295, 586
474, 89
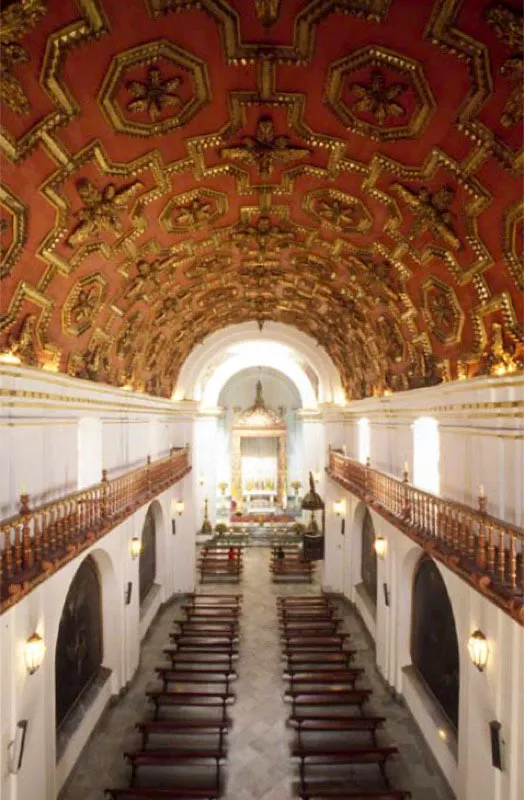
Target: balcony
484, 551
37, 542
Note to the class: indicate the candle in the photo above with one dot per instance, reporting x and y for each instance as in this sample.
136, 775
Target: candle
24, 488
482, 491
406, 466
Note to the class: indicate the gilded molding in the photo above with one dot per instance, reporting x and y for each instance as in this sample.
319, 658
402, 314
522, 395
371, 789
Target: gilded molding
14, 222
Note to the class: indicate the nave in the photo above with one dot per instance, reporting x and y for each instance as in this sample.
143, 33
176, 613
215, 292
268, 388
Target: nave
258, 763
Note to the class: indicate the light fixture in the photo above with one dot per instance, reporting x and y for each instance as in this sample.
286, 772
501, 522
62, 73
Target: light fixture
380, 545
179, 507
478, 649
135, 547
7, 357
443, 735
34, 652
339, 507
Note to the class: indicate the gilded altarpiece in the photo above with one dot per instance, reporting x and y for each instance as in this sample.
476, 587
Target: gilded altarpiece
260, 422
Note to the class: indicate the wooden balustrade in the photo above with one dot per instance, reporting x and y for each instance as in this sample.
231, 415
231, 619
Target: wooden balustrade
37, 542
485, 551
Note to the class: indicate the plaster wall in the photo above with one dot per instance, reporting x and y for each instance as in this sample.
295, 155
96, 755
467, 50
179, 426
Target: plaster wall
32, 697
40, 437
495, 694
481, 425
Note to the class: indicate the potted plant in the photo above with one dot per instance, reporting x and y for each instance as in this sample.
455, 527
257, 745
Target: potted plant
221, 528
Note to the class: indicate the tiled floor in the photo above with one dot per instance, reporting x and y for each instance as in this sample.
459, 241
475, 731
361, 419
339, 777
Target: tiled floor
258, 764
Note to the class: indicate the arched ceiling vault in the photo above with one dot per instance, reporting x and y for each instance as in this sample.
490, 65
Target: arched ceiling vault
347, 167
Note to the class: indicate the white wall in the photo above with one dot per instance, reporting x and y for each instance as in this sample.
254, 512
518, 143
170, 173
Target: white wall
497, 693
481, 426
32, 697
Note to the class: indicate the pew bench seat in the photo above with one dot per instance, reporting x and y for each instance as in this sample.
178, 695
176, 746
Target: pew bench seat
307, 677
172, 793
315, 791
192, 727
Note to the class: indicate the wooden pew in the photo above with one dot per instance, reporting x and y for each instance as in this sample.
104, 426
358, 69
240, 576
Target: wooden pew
311, 626
233, 573
308, 678
210, 648
172, 793
226, 626
190, 700
321, 660
188, 727
215, 599
200, 660
199, 613
338, 696
213, 639
340, 724
328, 641
315, 791
168, 675
174, 757
343, 755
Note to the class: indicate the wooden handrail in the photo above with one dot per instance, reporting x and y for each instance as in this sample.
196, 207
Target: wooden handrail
485, 551
36, 542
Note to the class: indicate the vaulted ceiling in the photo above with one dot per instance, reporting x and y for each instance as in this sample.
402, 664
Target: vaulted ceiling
348, 167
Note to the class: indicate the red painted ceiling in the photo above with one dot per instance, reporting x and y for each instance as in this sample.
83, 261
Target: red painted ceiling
349, 167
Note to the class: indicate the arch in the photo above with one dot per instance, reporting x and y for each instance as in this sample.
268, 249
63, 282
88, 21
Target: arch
434, 641
79, 645
368, 557
147, 565
301, 359
363, 526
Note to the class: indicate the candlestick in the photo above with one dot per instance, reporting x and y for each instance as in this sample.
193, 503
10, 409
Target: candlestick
482, 491
406, 466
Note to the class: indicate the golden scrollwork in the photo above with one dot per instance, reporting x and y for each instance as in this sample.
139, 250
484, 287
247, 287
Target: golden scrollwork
83, 304
442, 311
262, 236
154, 93
101, 209
507, 23
267, 11
497, 359
378, 98
194, 210
16, 19
264, 150
432, 212
15, 224
22, 345
338, 210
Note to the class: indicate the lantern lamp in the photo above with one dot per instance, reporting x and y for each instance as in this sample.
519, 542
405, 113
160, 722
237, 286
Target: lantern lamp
381, 545
339, 507
179, 507
478, 649
34, 652
135, 547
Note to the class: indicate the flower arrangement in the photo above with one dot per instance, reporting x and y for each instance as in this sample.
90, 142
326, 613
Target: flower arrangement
223, 486
221, 528
296, 485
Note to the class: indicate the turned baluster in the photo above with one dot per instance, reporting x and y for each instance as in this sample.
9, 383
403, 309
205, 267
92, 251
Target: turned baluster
454, 541
52, 531
501, 566
148, 474
103, 506
512, 563
8, 553
470, 539
37, 537
19, 533
481, 545
442, 517
59, 527
98, 521
45, 535
27, 544
491, 550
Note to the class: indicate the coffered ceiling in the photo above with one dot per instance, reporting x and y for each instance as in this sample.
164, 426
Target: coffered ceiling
348, 167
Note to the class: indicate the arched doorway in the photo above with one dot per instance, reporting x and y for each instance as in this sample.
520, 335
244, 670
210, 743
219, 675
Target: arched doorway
147, 563
78, 655
434, 643
368, 560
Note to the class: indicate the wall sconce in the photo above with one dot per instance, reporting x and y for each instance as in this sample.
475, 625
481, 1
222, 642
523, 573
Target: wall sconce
478, 649
17, 746
339, 507
135, 547
34, 652
178, 507
381, 546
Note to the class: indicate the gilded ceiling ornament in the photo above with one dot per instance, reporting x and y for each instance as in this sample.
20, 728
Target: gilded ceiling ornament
264, 150
264, 235
22, 345
92, 363
101, 209
267, 11
393, 340
497, 360
5, 226
166, 310
145, 272
195, 213
338, 213
441, 310
507, 24
381, 275
154, 94
432, 212
378, 98
85, 306
16, 20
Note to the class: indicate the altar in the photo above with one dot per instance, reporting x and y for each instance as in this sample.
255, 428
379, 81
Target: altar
259, 462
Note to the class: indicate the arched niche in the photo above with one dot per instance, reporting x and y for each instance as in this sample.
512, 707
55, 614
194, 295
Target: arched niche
434, 642
368, 557
79, 646
147, 566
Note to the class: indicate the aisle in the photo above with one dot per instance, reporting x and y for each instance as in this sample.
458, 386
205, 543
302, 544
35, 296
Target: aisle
258, 763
